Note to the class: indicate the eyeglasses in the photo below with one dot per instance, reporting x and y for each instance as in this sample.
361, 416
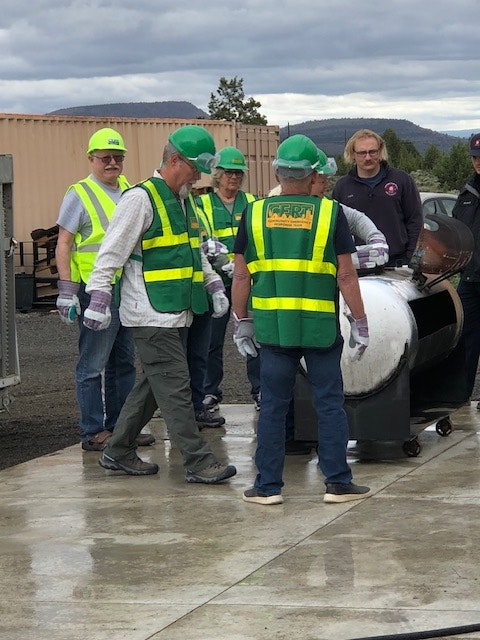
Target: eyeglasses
189, 164
233, 172
373, 153
107, 159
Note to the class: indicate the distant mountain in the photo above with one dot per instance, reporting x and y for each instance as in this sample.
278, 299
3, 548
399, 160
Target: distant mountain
331, 135
170, 109
462, 133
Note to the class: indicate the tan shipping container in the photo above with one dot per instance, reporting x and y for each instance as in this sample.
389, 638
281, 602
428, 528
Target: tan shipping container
49, 154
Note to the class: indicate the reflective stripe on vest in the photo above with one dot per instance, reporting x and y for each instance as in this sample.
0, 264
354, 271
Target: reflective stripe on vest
172, 267
219, 221
293, 298
100, 207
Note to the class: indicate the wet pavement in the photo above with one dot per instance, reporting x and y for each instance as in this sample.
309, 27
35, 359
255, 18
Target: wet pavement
91, 554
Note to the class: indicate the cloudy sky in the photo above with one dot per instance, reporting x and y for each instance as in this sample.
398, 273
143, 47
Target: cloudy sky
302, 59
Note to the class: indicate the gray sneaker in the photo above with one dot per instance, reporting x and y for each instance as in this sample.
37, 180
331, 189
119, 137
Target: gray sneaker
345, 493
134, 467
205, 418
212, 474
253, 495
211, 402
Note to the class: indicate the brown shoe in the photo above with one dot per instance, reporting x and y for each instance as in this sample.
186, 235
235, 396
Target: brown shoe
98, 442
144, 439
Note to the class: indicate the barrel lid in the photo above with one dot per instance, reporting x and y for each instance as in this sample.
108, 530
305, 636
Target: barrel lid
444, 247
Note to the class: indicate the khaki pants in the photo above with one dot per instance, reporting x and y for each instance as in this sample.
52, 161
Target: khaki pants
165, 383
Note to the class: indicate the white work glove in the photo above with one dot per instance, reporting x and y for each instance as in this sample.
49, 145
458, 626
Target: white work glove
220, 304
244, 336
68, 304
358, 336
371, 255
228, 268
98, 315
213, 248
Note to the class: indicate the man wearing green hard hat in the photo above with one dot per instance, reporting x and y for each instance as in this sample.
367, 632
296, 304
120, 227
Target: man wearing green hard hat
154, 237
105, 371
292, 258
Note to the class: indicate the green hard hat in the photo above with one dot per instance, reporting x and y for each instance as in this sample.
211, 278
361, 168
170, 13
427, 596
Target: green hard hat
106, 139
326, 166
297, 153
231, 158
197, 145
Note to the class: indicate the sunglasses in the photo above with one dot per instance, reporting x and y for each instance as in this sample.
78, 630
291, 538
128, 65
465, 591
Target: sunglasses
107, 159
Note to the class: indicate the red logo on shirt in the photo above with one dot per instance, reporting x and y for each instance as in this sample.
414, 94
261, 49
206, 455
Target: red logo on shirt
391, 189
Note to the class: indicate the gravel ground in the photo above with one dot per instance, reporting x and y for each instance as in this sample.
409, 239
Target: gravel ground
44, 417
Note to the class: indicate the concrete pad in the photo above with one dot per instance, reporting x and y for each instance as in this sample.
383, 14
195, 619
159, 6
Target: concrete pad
89, 553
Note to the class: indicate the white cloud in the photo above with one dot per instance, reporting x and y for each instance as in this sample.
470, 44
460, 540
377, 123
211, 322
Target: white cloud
301, 60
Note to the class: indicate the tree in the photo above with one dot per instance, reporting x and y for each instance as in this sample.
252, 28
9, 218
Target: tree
230, 104
455, 167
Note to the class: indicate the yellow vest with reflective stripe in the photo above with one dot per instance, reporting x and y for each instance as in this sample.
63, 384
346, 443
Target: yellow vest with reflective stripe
100, 207
291, 255
172, 266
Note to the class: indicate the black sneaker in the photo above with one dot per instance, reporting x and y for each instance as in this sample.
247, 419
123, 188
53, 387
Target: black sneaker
211, 402
257, 400
253, 495
345, 493
134, 467
212, 474
205, 418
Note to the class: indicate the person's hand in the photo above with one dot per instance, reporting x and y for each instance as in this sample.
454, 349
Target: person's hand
358, 336
244, 336
68, 304
98, 315
229, 268
220, 304
368, 256
379, 249
213, 248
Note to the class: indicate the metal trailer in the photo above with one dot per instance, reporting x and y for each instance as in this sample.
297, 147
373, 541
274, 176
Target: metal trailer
9, 364
412, 374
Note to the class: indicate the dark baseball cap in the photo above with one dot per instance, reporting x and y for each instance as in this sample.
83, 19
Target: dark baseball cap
475, 145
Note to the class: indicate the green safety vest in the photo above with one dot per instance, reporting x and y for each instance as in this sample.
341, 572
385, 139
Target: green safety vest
291, 256
100, 207
217, 220
172, 265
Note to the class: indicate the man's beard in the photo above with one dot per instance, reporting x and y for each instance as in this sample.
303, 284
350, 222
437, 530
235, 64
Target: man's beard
184, 191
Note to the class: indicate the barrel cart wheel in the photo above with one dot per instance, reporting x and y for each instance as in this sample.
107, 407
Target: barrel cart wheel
444, 427
412, 447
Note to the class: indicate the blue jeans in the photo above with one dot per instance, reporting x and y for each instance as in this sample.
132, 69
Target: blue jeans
109, 352
469, 293
278, 370
214, 372
198, 342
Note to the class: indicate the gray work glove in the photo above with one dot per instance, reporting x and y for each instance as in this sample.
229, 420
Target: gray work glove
68, 304
213, 248
373, 254
220, 304
358, 336
244, 336
98, 315
229, 268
